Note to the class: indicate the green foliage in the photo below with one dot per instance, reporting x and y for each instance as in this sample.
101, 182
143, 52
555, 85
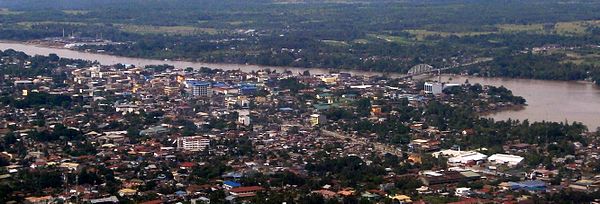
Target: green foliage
60, 132
38, 99
381, 31
292, 84
536, 66
350, 169
202, 174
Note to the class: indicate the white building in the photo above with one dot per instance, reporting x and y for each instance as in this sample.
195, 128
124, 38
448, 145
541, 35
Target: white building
462, 191
193, 143
467, 157
244, 117
126, 108
457, 157
510, 160
434, 88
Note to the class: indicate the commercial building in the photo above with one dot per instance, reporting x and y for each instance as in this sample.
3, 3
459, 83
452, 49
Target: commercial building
198, 88
445, 177
466, 158
434, 88
193, 143
507, 159
317, 119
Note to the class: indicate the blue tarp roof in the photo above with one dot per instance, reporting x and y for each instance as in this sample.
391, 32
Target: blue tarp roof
529, 185
232, 183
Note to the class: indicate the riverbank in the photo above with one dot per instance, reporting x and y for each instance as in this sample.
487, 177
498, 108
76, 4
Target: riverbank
108, 59
501, 109
556, 101
547, 100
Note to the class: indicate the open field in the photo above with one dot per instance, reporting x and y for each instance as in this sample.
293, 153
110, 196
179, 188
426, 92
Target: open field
561, 28
391, 38
171, 30
335, 43
515, 28
421, 35
29, 24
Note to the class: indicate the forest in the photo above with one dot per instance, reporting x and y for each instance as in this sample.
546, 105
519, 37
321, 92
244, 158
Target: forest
387, 36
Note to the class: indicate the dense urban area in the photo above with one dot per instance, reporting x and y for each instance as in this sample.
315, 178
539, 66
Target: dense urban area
78, 131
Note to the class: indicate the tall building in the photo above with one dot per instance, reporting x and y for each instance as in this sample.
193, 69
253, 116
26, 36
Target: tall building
198, 88
193, 143
434, 88
317, 119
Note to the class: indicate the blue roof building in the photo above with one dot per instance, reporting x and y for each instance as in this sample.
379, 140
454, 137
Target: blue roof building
530, 185
231, 184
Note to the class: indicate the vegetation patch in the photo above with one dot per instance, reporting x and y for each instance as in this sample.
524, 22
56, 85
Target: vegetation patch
170, 30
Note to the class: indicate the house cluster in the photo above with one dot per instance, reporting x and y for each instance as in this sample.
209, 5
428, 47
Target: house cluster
161, 134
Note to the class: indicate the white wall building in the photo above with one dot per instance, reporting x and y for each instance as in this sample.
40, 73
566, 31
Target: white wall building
193, 143
467, 157
244, 117
433, 88
457, 157
510, 160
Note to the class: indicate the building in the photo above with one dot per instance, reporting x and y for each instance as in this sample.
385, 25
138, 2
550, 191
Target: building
39, 200
530, 185
198, 88
446, 177
507, 159
243, 117
317, 119
464, 192
228, 185
434, 88
400, 198
193, 143
248, 90
585, 185
466, 158
329, 79
244, 120
246, 191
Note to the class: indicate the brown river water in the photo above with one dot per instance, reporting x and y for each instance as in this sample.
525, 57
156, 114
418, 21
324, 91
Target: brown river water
546, 100
557, 101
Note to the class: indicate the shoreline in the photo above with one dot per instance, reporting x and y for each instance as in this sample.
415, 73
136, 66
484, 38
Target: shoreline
488, 113
450, 78
217, 65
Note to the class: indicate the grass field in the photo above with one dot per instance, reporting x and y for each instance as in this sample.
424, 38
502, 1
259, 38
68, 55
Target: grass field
391, 38
421, 35
170, 30
335, 43
514, 28
29, 24
561, 28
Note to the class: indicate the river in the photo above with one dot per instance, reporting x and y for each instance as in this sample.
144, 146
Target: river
547, 100
557, 101
106, 59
